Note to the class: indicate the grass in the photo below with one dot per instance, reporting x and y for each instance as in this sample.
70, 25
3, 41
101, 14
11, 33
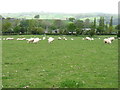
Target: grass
61, 64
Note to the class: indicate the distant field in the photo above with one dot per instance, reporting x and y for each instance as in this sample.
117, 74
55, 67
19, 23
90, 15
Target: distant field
61, 64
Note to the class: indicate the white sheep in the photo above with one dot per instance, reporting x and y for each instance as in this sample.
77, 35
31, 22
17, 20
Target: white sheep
24, 38
9, 38
108, 41
59, 38
64, 38
21, 38
36, 40
72, 39
83, 39
112, 38
30, 40
44, 38
4, 38
88, 38
92, 38
50, 39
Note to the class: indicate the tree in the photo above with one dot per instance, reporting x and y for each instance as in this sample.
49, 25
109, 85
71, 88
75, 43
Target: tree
32, 24
94, 23
92, 31
45, 24
40, 30
118, 28
79, 24
24, 24
71, 27
87, 23
37, 16
6, 27
37, 30
93, 28
111, 25
71, 19
106, 27
58, 24
101, 26
17, 29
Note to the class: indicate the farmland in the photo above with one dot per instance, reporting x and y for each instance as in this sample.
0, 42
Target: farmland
61, 64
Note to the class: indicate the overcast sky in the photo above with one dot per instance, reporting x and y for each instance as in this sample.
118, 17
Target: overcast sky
65, 6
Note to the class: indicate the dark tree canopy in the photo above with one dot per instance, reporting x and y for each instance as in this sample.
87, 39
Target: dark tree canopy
37, 16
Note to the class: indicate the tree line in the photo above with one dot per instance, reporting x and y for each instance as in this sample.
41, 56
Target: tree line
70, 26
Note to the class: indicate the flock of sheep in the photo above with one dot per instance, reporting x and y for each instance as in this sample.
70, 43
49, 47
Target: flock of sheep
51, 39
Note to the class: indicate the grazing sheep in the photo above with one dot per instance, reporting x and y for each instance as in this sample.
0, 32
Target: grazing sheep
83, 39
92, 38
59, 38
18, 39
87, 38
30, 40
72, 39
9, 38
112, 38
24, 38
64, 38
44, 38
21, 38
50, 39
108, 41
4, 38
36, 40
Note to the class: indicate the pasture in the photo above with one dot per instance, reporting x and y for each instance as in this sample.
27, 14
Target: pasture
61, 64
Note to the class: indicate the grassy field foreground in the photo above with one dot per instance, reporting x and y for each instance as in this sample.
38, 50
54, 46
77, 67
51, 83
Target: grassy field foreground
61, 64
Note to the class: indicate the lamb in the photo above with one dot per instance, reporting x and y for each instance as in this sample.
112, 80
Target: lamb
50, 39
9, 38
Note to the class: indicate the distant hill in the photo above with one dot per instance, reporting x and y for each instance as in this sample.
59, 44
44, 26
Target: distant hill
45, 15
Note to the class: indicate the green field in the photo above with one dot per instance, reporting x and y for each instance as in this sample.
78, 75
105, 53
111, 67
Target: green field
61, 64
